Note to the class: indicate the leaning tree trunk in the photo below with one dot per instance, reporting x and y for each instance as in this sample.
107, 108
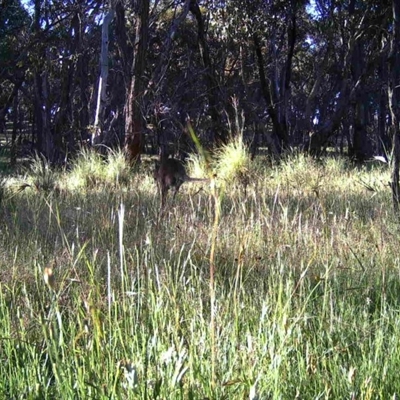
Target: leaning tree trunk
159, 73
133, 115
394, 101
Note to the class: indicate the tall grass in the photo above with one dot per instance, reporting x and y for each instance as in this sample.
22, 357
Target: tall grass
100, 298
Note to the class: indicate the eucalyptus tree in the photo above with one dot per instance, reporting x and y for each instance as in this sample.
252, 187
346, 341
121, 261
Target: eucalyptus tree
268, 36
56, 60
347, 39
14, 25
104, 68
176, 72
394, 100
76, 36
132, 34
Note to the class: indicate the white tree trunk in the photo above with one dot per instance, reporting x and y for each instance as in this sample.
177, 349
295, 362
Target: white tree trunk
101, 93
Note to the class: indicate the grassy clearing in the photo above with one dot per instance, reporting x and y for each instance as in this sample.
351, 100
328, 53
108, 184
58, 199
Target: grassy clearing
306, 285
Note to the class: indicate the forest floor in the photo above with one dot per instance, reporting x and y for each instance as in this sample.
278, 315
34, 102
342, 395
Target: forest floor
283, 287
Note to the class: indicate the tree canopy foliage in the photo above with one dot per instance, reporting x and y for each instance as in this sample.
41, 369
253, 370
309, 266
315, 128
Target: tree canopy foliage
305, 74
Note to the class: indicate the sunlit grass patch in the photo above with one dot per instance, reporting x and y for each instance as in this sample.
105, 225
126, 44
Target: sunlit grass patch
101, 297
197, 166
40, 175
232, 160
92, 170
117, 169
2, 189
87, 170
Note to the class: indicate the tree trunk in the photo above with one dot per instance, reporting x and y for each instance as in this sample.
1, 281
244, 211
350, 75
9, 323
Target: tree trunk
81, 112
101, 91
4, 109
41, 84
362, 146
13, 153
275, 84
42, 117
124, 48
310, 104
163, 64
286, 74
329, 128
133, 115
212, 84
63, 117
394, 101
279, 135
383, 139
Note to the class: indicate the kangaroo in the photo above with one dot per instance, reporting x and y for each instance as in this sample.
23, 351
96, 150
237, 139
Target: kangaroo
170, 173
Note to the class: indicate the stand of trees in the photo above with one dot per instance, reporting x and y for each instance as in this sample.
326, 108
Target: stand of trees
307, 74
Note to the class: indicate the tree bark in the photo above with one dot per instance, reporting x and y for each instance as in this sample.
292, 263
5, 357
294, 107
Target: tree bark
383, 139
7, 104
212, 84
275, 83
101, 91
124, 49
42, 108
394, 102
279, 136
81, 114
361, 149
331, 125
163, 64
287, 73
63, 117
134, 120
13, 153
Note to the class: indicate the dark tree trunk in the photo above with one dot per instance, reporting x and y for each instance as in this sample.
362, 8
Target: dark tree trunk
279, 136
322, 135
42, 106
276, 90
124, 49
6, 106
81, 120
99, 130
13, 153
221, 135
394, 101
362, 146
63, 118
342, 91
164, 62
383, 140
134, 119
287, 73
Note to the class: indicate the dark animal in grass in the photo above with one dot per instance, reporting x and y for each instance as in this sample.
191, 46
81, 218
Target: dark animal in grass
170, 173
